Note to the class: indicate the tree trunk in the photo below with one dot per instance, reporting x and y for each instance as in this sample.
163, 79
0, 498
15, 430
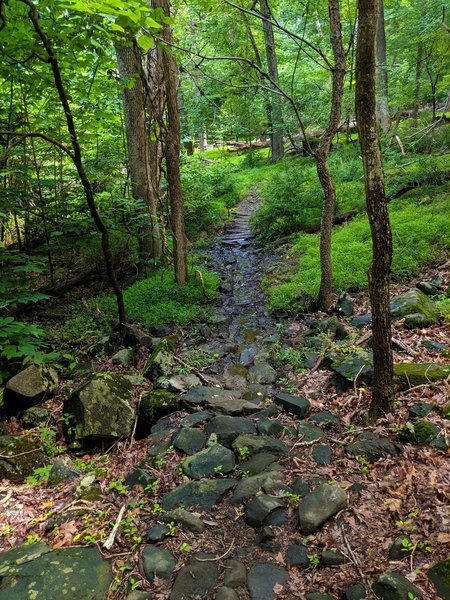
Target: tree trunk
383, 386
130, 69
172, 153
272, 64
329, 192
418, 82
202, 141
382, 74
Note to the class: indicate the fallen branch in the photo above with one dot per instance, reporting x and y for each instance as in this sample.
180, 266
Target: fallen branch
218, 557
108, 544
403, 347
202, 378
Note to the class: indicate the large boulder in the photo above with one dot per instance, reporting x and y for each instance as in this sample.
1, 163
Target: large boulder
19, 457
414, 302
37, 571
100, 408
29, 387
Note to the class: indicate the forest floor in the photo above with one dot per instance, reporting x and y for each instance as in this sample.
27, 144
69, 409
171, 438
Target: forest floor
256, 539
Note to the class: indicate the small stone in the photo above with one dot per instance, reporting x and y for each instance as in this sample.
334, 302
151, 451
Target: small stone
361, 320
434, 346
158, 533
228, 428
196, 418
329, 558
265, 535
186, 519
157, 562
138, 595
356, 591
440, 576
260, 443
60, 472
401, 548
189, 440
300, 487
324, 418
295, 405
319, 505
322, 454
262, 579
262, 373
309, 433
259, 463
235, 573
259, 508
139, 478
211, 461
205, 493
125, 357
36, 416
181, 383
428, 288
372, 447
420, 410
198, 578
164, 424
252, 485
269, 427
394, 586
225, 593
297, 556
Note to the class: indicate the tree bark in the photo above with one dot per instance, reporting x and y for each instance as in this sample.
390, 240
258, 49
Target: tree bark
418, 83
329, 192
137, 136
382, 74
379, 273
272, 64
172, 153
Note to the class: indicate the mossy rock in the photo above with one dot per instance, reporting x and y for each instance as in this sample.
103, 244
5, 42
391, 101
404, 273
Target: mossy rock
102, 407
161, 362
414, 302
156, 404
419, 433
411, 374
29, 387
19, 458
352, 368
440, 576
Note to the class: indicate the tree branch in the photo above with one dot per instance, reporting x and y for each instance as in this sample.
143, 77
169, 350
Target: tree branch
43, 136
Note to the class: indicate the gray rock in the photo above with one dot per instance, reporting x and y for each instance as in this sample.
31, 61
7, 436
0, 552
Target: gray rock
205, 493
361, 320
269, 426
125, 357
196, 418
211, 461
164, 424
319, 505
372, 447
310, 433
420, 410
247, 355
332, 559
161, 442
235, 573
344, 305
225, 593
252, 485
300, 487
401, 548
440, 576
428, 288
138, 595
36, 416
161, 361
259, 509
353, 368
157, 533
197, 579
419, 433
259, 463
262, 373
189, 440
434, 346
61, 472
186, 519
414, 302
394, 586
297, 556
324, 418
23, 455
295, 405
29, 387
181, 383
259, 443
37, 571
356, 591
227, 428
321, 453
101, 407
226, 401
139, 478
157, 562
262, 578
155, 404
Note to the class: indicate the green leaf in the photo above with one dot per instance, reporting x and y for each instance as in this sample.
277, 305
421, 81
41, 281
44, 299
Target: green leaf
145, 42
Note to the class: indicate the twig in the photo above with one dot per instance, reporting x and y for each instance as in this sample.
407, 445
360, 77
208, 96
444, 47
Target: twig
112, 536
136, 419
218, 557
354, 559
406, 349
363, 338
202, 378
19, 454
8, 495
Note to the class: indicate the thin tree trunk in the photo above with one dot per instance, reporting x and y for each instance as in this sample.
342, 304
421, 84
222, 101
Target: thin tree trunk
382, 74
172, 153
379, 274
202, 141
78, 160
272, 64
329, 192
130, 68
418, 82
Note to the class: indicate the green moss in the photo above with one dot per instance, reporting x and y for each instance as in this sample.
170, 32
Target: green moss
418, 373
420, 433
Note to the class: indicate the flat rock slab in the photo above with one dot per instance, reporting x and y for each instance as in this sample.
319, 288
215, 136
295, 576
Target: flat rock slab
205, 493
253, 444
262, 579
309, 433
319, 505
197, 579
227, 428
157, 562
226, 401
37, 571
295, 405
372, 446
394, 586
213, 460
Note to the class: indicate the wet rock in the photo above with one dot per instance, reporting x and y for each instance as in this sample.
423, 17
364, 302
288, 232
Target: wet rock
189, 440
196, 418
262, 373
158, 533
262, 578
36, 416
420, 410
259, 463
161, 362
19, 458
372, 446
329, 558
29, 387
101, 407
157, 562
139, 478
186, 519
227, 428
205, 493
247, 355
321, 453
258, 443
295, 405
411, 374
419, 433
414, 302
269, 427
297, 556
401, 548
309, 433
394, 586
197, 579
324, 418
440, 576
235, 573
60, 472
125, 357
211, 461
357, 591
225, 593
319, 505
259, 508
344, 305
252, 485
37, 571
155, 404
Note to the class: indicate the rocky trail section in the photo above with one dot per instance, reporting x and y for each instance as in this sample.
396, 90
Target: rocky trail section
243, 477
